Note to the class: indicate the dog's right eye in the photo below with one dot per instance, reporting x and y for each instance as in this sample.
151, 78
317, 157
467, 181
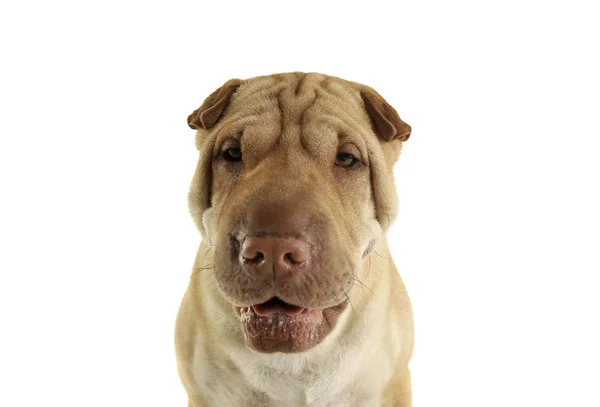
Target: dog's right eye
346, 160
232, 154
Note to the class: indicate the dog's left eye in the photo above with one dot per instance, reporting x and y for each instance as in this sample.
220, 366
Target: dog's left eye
345, 160
233, 154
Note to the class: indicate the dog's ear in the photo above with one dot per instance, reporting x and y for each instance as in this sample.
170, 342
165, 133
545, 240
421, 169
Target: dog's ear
213, 107
385, 119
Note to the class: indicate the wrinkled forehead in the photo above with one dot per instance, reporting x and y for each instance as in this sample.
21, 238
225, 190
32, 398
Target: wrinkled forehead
309, 109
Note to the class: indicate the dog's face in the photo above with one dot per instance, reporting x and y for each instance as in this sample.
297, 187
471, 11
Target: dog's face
292, 191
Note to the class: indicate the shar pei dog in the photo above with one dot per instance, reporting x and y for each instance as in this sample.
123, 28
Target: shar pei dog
294, 299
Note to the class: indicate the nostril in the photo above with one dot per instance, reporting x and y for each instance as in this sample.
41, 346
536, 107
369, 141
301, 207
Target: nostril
295, 252
293, 258
255, 258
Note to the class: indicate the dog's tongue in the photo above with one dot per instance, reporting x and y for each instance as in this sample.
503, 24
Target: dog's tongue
275, 305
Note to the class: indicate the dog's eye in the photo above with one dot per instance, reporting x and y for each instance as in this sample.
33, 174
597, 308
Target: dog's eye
345, 160
232, 154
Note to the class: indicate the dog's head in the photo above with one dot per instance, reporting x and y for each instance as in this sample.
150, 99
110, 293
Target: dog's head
292, 190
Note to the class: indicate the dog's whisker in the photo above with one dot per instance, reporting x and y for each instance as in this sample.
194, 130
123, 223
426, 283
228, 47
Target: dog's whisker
361, 283
380, 256
370, 264
355, 281
349, 300
203, 268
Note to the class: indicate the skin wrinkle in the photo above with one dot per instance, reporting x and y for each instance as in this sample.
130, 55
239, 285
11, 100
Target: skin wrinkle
342, 106
301, 121
349, 134
352, 125
281, 120
300, 83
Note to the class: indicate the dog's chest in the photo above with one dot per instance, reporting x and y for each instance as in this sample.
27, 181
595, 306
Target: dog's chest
326, 388
344, 380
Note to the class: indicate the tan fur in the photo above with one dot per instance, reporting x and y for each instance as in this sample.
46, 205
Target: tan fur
290, 127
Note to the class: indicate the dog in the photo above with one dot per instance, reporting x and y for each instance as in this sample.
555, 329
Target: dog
294, 299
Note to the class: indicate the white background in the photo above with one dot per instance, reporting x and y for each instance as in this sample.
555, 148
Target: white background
498, 234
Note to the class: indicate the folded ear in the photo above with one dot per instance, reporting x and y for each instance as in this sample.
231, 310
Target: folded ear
385, 119
213, 107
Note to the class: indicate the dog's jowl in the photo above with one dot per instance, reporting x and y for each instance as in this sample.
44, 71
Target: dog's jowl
294, 299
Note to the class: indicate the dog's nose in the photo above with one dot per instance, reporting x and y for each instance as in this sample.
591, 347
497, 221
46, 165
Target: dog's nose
262, 256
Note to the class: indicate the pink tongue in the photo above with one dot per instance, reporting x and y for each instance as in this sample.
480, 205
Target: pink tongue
274, 306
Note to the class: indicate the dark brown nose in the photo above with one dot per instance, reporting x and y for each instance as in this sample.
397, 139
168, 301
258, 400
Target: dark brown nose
265, 256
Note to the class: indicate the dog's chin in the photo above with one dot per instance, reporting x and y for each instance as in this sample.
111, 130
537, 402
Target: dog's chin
276, 326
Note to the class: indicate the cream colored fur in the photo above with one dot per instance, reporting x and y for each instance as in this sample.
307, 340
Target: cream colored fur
363, 362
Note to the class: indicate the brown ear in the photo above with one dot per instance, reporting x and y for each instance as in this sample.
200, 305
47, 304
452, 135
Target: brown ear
385, 119
213, 107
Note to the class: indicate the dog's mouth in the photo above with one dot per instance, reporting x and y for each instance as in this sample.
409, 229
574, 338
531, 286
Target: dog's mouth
274, 306
277, 326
